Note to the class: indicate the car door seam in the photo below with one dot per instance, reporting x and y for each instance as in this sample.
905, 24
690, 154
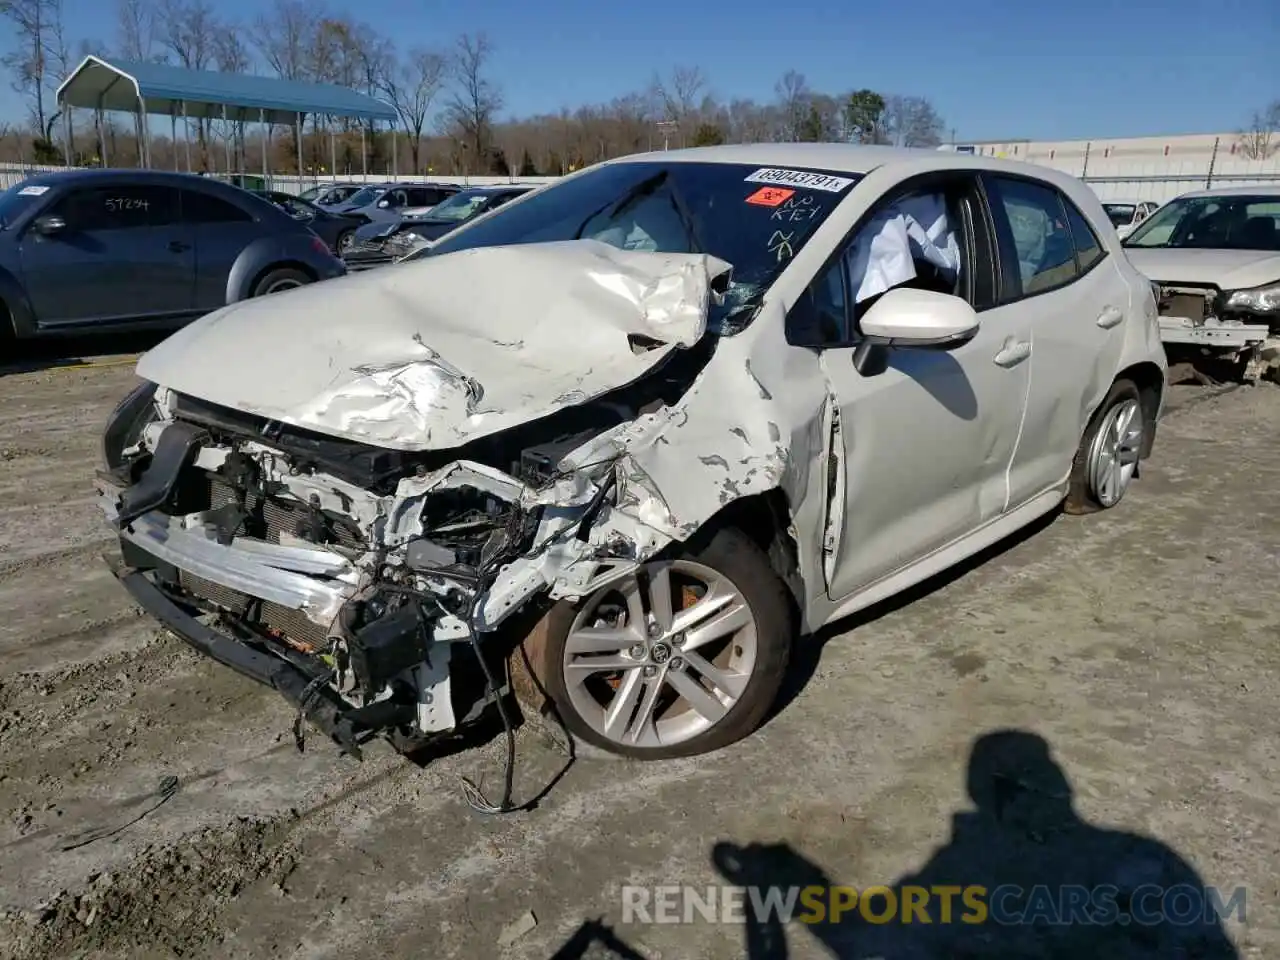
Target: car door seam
1022, 422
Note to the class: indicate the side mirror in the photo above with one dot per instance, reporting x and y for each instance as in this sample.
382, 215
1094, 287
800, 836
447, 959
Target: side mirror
383, 204
49, 225
904, 317
923, 319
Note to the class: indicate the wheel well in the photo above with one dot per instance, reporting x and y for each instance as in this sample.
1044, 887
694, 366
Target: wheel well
282, 265
1150, 381
766, 519
8, 329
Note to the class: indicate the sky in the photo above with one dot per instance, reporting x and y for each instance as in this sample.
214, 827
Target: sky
995, 69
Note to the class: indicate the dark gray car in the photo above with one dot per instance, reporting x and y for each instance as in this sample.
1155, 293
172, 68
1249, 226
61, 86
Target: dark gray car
333, 228
137, 249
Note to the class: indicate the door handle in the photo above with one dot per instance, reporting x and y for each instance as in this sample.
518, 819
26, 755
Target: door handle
1013, 352
1109, 318
177, 246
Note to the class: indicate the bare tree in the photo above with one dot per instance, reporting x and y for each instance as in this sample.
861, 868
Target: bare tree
136, 30
230, 55
678, 97
1259, 141
794, 99
189, 30
475, 100
286, 36
911, 122
32, 29
412, 89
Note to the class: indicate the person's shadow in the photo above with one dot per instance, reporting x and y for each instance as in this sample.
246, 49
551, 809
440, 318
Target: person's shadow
1055, 885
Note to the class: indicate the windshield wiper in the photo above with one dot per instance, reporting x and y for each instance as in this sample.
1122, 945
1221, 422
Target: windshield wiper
686, 219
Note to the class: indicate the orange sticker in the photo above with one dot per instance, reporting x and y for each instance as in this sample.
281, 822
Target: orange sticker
770, 196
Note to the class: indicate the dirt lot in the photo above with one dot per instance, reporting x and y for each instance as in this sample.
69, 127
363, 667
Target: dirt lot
1140, 644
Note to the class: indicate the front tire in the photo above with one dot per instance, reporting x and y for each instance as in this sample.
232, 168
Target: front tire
1106, 462
681, 659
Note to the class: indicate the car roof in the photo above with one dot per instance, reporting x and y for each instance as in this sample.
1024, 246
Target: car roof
1259, 191
851, 158
842, 157
120, 175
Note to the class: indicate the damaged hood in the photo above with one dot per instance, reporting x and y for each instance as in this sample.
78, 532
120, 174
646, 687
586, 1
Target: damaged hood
432, 353
1225, 269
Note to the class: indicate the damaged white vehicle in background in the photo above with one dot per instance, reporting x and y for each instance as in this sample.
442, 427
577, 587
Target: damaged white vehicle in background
1213, 257
616, 447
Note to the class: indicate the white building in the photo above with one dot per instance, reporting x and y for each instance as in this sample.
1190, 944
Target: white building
1142, 168
1192, 147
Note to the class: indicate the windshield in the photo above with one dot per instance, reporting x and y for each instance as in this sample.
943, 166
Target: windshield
458, 207
311, 193
754, 219
17, 199
366, 196
1121, 214
1213, 223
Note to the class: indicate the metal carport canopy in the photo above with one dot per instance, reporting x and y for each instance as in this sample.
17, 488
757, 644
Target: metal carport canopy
124, 85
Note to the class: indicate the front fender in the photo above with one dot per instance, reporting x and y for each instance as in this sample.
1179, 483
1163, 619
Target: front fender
751, 424
14, 297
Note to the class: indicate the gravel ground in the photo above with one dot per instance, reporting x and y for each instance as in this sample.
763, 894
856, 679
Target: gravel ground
1139, 644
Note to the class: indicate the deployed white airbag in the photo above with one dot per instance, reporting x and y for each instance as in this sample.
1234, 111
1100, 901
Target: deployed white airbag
885, 249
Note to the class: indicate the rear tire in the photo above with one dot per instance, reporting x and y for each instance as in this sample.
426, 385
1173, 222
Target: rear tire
1106, 462
738, 582
279, 280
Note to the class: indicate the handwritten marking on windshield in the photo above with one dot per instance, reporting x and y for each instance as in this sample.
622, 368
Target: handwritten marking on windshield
780, 245
797, 210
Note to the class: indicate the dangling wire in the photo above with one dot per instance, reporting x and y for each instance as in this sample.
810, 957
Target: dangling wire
312, 689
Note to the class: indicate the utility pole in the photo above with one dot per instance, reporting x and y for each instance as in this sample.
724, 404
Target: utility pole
666, 126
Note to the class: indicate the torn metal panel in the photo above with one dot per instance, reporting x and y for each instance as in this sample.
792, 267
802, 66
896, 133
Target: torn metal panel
442, 351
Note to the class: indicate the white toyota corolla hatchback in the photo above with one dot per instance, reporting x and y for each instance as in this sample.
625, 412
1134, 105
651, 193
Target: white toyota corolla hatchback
621, 445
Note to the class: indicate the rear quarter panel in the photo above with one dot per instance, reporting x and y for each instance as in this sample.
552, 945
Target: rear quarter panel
267, 252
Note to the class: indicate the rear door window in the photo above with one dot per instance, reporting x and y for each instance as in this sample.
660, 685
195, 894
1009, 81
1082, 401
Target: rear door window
200, 207
1042, 244
1088, 247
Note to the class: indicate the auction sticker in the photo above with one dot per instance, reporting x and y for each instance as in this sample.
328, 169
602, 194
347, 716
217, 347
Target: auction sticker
770, 196
800, 178
36, 191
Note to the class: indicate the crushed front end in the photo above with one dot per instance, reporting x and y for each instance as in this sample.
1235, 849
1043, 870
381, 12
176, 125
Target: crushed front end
365, 584
1199, 320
